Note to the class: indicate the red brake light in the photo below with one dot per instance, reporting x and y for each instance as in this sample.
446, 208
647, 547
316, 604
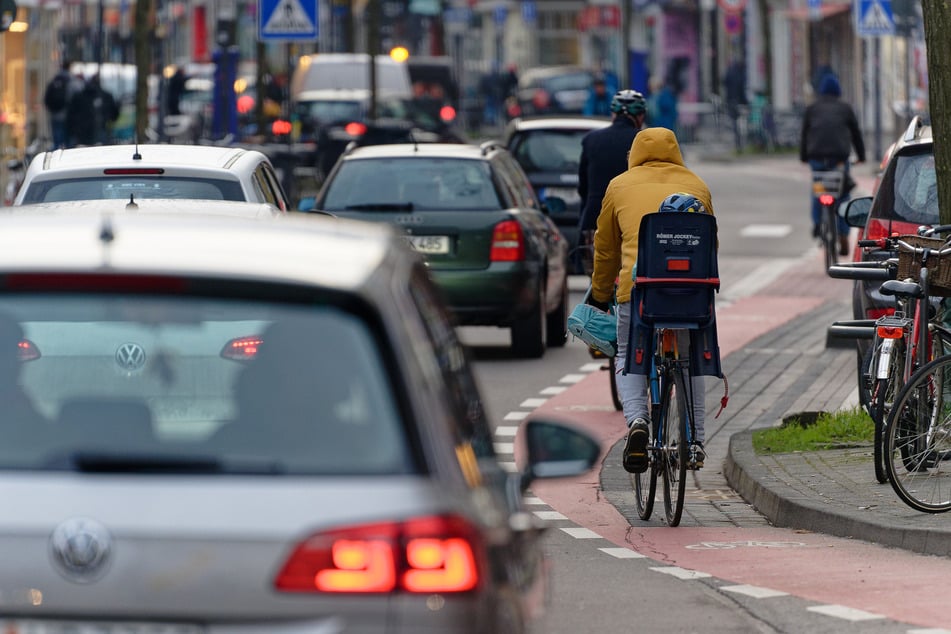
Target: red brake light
355, 128
678, 264
27, 350
133, 171
508, 242
875, 313
447, 113
280, 126
827, 199
242, 348
541, 99
94, 281
890, 332
421, 555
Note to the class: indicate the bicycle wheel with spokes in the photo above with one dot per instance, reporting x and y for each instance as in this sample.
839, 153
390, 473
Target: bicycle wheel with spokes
828, 235
615, 397
889, 353
674, 452
918, 439
645, 484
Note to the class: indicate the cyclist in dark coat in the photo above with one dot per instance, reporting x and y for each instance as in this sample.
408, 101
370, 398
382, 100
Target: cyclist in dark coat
830, 130
604, 156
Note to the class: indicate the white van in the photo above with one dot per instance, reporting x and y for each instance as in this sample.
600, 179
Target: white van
324, 73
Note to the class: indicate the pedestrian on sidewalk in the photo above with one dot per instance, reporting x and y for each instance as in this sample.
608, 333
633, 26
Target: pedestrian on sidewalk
655, 171
830, 130
604, 155
59, 91
92, 111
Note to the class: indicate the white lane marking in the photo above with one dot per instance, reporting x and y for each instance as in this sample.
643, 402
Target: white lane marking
532, 403
516, 415
533, 501
682, 573
506, 430
933, 630
591, 367
758, 278
556, 389
510, 467
572, 378
550, 516
843, 612
754, 591
581, 533
623, 553
766, 231
504, 447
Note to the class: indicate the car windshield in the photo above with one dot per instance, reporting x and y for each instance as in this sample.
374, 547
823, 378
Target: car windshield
916, 189
550, 150
406, 183
160, 383
341, 111
118, 187
570, 81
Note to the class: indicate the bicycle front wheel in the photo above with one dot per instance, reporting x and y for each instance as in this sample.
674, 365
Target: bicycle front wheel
918, 439
645, 484
674, 452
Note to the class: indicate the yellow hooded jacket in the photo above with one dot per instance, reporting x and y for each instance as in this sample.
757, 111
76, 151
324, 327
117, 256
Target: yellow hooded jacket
655, 170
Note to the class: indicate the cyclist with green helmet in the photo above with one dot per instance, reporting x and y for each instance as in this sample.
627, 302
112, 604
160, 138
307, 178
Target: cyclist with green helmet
604, 156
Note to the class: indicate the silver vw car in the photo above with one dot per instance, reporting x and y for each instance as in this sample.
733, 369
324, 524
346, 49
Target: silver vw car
215, 424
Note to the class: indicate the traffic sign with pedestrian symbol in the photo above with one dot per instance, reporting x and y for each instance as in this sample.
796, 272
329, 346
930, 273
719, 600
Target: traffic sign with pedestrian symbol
874, 17
287, 20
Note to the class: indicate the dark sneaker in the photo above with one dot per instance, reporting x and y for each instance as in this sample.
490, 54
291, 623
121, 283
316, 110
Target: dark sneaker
815, 231
635, 449
697, 455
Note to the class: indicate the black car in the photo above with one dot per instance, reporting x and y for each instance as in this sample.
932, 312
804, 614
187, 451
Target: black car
554, 90
549, 150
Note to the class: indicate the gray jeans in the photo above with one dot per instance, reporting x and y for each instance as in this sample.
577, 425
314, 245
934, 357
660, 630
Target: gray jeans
632, 388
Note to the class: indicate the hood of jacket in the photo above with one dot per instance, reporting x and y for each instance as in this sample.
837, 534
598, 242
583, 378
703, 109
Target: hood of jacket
654, 144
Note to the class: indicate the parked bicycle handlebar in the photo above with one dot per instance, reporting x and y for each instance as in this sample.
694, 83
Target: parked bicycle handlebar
877, 271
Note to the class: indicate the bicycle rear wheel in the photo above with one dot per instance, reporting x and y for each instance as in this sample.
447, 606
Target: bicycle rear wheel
918, 439
674, 452
645, 484
827, 233
890, 353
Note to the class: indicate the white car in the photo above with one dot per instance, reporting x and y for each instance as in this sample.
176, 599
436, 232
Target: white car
221, 426
152, 171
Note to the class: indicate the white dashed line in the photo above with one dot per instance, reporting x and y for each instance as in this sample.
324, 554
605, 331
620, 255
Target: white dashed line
754, 591
842, 612
933, 630
572, 378
532, 403
581, 533
506, 430
511, 467
549, 516
766, 231
557, 389
682, 573
533, 501
517, 415
591, 367
623, 553
504, 447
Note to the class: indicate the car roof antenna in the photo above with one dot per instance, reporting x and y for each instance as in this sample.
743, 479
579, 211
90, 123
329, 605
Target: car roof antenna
136, 156
131, 206
415, 142
106, 234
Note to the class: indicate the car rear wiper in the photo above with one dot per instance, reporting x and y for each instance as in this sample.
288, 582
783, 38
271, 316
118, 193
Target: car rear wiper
381, 207
109, 462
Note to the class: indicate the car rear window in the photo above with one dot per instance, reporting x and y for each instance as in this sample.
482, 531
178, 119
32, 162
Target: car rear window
916, 188
549, 150
406, 183
143, 382
120, 187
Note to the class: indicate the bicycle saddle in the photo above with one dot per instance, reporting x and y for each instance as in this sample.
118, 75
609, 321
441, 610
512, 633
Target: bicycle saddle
899, 288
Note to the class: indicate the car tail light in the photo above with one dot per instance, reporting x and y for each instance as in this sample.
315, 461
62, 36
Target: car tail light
541, 99
447, 113
890, 332
95, 281
27, 350
826, 199
875, 313
355, 128
242, 348
420, 555
508, 242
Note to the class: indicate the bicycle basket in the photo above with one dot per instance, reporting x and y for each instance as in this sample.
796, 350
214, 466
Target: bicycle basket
828, 182
939, 267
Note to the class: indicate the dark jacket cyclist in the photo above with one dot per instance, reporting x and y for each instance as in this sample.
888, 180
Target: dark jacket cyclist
604, 156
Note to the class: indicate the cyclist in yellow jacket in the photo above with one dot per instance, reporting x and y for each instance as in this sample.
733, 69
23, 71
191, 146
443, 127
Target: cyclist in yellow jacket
655, 171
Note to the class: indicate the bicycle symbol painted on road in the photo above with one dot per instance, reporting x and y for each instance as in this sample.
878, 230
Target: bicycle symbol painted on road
744, 544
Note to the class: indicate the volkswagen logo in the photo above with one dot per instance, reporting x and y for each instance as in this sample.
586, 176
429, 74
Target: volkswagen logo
130, 357
81, 548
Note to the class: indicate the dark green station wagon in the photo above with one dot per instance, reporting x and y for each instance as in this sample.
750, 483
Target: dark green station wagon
490, 245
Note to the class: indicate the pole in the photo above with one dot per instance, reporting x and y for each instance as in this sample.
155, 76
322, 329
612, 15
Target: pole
100, 36
373, 45
625, 74
876, 63
909, 113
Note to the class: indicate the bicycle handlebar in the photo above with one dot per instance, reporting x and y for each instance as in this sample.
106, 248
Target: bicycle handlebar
873, 271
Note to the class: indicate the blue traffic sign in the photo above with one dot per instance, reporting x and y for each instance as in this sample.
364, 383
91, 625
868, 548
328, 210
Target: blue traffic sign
529, 11
287, 20
500, 14
873, 18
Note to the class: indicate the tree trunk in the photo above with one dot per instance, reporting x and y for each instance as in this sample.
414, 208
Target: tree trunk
937, 18
142, 33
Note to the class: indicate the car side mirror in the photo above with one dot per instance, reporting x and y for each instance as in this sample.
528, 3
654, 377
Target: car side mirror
556, 450
856, 211
555, 205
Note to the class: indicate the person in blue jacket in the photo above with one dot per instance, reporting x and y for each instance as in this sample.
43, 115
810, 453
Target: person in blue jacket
599, 99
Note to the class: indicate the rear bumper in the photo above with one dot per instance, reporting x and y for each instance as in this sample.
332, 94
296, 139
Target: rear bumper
493, 296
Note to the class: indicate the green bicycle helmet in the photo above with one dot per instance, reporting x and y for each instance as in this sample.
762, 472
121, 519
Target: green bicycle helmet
628, 102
